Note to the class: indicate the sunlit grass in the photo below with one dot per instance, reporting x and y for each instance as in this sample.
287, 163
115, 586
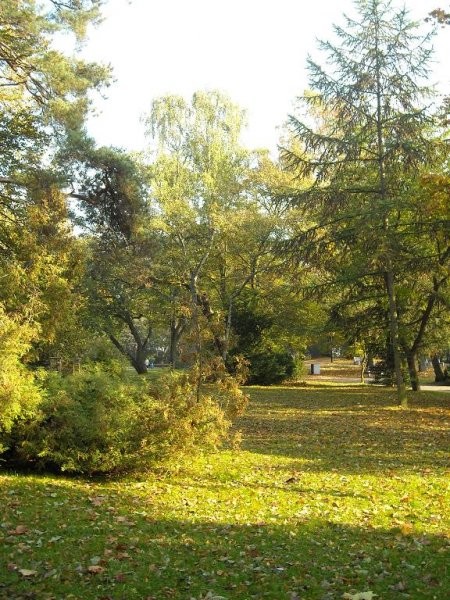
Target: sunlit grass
333, 491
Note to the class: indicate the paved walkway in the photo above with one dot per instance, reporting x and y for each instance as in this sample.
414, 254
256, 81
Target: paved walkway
348, 369
424, 388
435, 388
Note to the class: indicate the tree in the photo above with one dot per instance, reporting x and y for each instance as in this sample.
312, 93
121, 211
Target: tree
32, 71
423, 254
216, 213
43, 93
19, 393
43, 96
424, 290
197, 183
367, 136
113, 211
252, 280
123, 302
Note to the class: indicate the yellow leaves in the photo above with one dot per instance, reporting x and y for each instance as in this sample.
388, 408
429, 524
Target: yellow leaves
359, 596
406, 528
436, 189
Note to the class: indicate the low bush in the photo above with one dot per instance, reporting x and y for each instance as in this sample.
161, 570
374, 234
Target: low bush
102, 421
270, 367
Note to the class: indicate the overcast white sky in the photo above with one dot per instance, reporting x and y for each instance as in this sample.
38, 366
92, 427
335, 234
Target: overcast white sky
254, 50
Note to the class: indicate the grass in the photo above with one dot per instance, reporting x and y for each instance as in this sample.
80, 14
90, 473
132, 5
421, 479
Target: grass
335, 491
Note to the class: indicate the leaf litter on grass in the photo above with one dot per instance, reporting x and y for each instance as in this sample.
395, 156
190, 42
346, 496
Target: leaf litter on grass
332, 493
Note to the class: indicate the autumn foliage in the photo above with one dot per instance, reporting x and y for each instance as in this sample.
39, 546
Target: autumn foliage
101, 421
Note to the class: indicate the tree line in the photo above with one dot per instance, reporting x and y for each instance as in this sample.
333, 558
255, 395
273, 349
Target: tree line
199, 252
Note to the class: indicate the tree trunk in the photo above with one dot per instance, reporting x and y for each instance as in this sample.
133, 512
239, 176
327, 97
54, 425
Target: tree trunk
226, 344
402, 398
138, 361
177, 327
363, 366
413, 371
390, 287
203, 302
439, 374
173, 347
411, 353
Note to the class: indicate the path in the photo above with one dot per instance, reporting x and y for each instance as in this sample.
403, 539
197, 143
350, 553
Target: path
346, 367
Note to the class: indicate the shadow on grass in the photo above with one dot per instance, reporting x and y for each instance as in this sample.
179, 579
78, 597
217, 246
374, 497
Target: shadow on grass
351, 430
143, 557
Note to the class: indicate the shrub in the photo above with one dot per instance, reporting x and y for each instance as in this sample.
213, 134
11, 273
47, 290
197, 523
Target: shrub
262, 341
100, 422
270, 367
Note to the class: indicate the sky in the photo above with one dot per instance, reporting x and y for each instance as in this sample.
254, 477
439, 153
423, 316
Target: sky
253, 50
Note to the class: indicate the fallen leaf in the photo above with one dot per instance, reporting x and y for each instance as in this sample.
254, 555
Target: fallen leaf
359, 596
27, 572
124, 520
291, 480
19, 530
95, 569
406, 528
97, 500
50, 573
399, 587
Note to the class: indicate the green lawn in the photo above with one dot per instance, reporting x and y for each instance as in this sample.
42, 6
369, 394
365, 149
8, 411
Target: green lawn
334, 491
